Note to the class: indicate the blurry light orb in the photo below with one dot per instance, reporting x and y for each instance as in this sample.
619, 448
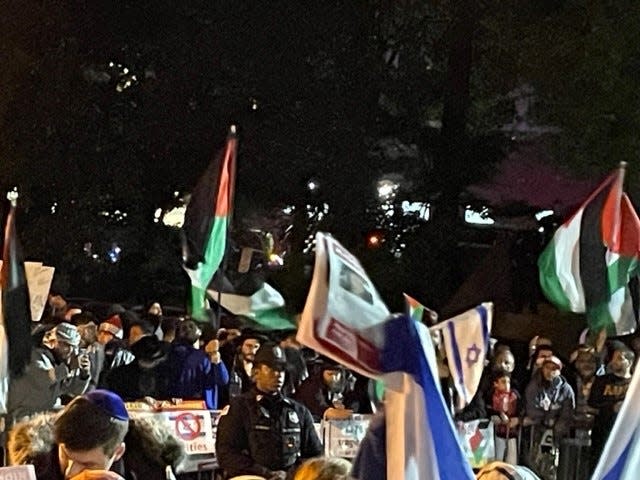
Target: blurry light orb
313, 185
174, 217
275, 260
387, 189
113, 254
374, 240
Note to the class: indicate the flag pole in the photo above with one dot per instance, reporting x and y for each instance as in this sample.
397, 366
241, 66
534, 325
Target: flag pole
622, 167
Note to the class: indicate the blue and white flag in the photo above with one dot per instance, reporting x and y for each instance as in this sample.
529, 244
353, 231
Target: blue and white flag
421, 438
466, 343
344, 318
620, 459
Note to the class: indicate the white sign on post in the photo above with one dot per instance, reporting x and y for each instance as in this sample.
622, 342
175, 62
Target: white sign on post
39, 278
342, 437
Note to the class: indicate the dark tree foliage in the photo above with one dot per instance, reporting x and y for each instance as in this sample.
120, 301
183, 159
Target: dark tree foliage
112, 106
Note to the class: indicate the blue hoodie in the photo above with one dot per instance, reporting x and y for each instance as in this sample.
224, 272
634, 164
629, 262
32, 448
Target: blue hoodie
193, 376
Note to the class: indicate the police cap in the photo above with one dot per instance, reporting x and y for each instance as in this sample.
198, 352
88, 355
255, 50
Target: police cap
271, 355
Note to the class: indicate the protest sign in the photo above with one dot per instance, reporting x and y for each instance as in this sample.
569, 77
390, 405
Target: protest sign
342, 438
344, 314
39, 278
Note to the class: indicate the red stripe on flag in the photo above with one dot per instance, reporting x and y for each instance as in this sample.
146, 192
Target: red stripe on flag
224, 197
413, 303
611, 222
629, 239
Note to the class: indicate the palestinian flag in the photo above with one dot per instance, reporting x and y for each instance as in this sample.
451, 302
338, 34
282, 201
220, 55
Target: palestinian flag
419, 312
264, 309
207, 222
593, 256
16, 306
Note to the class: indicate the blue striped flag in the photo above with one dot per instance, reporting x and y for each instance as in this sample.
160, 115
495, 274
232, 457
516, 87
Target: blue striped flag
466, 343
421, 439
620, 459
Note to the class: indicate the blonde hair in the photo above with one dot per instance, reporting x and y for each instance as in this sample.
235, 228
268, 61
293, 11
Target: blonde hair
324, 468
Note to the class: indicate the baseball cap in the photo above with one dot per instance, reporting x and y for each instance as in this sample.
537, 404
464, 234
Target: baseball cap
271, 355
112, 325
554, 360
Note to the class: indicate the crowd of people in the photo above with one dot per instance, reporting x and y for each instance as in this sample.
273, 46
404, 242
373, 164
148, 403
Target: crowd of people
555, 412
66, 413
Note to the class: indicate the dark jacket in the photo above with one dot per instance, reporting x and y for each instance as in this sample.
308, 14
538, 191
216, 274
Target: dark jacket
550, 404
115, 354
314, 395
262, 433
371, 459
151, 447
474, 410
607, 393
133, 382
239, 382
147, 375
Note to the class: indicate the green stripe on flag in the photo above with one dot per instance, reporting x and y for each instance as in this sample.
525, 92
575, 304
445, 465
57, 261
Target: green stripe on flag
275, 319
213, 255
549, 280
599, 317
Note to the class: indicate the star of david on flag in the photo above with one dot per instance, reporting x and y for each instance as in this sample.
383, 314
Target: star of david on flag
466, 343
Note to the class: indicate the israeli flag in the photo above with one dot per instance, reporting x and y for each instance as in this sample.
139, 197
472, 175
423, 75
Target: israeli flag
466, 343
421, 438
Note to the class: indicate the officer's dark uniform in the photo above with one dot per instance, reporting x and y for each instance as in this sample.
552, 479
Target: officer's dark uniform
263, 433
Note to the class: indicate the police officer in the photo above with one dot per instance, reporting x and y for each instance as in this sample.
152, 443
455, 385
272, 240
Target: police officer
263, 432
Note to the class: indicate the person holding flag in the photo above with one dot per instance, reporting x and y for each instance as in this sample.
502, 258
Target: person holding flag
620, 459
607, 394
